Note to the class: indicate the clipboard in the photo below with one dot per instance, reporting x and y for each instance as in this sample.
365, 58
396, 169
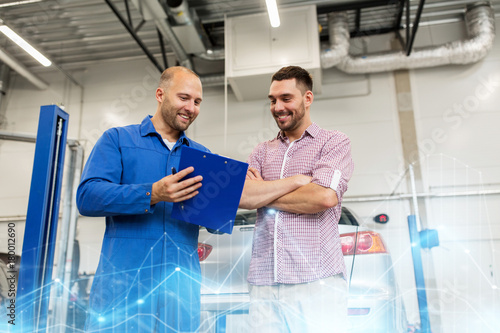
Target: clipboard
216, 203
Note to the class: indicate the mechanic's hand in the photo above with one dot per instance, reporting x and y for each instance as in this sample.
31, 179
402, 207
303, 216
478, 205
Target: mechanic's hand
172, 189
253, 174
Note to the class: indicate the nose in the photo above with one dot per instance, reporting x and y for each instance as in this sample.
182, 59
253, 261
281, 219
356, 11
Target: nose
189, 105
278, 105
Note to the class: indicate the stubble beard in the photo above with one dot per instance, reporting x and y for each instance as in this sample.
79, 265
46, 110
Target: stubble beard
295, 120
170, 117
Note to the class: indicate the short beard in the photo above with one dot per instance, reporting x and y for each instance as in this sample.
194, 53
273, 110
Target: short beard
294, 123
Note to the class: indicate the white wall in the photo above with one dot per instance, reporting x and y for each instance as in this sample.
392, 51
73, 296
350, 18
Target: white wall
461, 157
461, 105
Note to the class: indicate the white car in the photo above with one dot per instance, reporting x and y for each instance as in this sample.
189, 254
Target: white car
374, 303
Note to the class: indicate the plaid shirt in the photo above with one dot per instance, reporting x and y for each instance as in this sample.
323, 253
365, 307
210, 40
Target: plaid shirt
299, 248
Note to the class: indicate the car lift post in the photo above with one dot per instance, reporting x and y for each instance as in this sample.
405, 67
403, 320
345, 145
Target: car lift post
425, 326
35, 272
427, 239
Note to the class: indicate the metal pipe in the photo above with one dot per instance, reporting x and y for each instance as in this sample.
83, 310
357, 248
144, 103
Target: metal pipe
67, 233
414, 196
26, 137
419, 195
480, 22
23, 137
16, 218
22, 70
75, 173
59, 319
372, 198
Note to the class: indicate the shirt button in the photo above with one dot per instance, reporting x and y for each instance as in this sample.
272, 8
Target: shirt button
146, 210
147, 193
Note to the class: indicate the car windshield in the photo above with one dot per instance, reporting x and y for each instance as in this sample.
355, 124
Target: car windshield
347, 218
248, 218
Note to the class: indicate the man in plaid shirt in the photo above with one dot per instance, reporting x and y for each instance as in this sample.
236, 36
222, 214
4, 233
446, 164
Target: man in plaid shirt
297, 276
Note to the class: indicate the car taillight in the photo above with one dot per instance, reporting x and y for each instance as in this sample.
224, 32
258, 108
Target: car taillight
367, 242
204, 250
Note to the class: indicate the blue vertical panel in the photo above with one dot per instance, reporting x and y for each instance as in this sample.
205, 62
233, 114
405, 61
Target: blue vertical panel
220, 324
425, 326
35, 273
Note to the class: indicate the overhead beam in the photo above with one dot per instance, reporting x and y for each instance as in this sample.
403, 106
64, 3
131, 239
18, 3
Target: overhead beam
162, 46
353, 5
131, 31
397, 25
402, 6
409, 44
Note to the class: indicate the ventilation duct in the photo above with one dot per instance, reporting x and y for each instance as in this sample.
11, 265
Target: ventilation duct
181, 26
187, 27
178, 10
212, 80
151, 10
480, 23
213, 54
338, 30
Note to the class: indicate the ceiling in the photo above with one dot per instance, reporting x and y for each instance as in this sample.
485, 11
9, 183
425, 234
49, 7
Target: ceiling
76, 33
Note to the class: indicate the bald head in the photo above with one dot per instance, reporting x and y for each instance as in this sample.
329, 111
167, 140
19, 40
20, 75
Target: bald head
179, 96
168, 75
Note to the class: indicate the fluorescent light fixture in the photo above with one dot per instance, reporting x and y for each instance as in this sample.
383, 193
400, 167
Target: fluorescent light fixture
25, 45
17, 3
272, 10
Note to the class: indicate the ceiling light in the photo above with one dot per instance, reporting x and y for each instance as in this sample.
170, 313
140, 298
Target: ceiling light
17, 3
25, 45
272, 10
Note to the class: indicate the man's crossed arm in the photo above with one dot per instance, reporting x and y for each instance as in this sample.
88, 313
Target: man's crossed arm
294, 194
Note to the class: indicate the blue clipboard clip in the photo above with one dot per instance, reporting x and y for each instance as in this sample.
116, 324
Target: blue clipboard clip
216, 204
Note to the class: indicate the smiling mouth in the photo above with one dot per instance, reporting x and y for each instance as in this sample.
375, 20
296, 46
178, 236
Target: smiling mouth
183, 116
282, 116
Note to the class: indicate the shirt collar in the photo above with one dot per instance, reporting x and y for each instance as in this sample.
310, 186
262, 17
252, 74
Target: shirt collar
147, 128
313, 130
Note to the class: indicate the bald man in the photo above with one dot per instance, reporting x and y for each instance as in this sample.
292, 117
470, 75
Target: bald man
148, 278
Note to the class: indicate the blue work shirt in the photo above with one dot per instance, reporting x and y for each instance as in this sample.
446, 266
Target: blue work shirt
148, 278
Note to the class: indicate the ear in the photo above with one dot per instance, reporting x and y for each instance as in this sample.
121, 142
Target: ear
308, 98
159, 94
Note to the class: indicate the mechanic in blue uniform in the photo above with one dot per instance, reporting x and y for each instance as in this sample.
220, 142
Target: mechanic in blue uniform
148, 278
